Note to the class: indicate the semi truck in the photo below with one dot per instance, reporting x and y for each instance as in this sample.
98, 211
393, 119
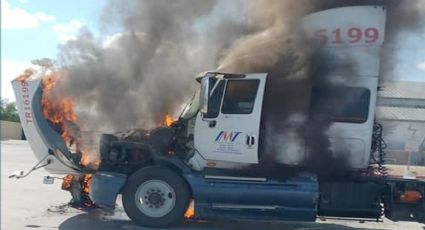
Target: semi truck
210, 154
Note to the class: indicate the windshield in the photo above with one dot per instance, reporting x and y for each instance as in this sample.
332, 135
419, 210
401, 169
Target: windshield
193, 107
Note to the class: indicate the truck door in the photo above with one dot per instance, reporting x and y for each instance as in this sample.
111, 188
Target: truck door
229, 128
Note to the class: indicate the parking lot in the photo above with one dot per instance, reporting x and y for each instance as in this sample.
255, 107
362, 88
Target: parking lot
29, 204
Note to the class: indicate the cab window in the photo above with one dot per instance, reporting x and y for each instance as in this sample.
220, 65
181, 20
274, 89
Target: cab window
239, 96
193, 108
341, 104
214, 101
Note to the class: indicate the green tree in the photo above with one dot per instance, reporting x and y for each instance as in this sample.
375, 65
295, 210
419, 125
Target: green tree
8, 111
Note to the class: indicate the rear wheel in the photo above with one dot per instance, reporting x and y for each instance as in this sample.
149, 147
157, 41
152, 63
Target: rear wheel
156, 197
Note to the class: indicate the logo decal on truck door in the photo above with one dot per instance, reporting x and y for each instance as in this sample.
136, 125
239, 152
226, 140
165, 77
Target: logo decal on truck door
227, 142
225, 136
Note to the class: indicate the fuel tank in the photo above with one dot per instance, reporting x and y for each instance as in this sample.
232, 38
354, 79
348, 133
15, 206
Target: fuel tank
227, 197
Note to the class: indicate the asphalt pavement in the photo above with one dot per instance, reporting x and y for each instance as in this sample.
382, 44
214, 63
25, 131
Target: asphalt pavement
29, 204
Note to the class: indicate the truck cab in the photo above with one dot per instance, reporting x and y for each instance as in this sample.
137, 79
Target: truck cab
231, 124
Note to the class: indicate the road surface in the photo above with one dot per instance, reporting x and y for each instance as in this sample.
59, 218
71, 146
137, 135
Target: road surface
28, 204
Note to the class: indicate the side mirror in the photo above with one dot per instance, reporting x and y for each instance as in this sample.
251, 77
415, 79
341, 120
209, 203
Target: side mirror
205, 86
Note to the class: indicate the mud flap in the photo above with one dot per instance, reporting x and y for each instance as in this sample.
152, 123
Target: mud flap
105, 187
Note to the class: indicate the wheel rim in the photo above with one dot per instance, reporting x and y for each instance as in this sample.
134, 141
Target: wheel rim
155, 198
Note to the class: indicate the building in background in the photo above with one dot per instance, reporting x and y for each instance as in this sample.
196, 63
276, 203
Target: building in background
401, 111
11, 130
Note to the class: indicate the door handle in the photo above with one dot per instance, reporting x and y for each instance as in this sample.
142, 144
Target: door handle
252, 143
212, 124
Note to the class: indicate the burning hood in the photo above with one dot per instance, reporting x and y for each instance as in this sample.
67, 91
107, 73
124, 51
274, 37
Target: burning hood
46, 143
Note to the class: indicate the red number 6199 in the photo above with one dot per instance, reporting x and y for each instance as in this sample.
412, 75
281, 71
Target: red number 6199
353, 35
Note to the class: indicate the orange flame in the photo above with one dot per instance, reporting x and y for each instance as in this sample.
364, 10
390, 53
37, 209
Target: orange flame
57, 110
86, 160
72, 180
86, 183
23, 77
67, 181
190, 212
168, 120
60, 111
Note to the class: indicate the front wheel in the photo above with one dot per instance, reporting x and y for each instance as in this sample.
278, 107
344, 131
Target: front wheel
156, 197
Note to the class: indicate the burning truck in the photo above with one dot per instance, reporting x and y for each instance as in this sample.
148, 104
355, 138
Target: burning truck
233, 151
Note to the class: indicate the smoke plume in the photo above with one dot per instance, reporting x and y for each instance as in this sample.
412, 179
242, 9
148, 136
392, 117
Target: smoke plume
137, 76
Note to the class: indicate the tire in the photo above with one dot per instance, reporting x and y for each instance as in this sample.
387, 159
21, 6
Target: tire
156, 197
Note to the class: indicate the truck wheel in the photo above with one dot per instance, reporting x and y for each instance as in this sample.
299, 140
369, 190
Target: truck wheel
156, 197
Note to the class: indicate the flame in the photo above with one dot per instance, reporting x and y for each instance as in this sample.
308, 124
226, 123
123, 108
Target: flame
57, 110
168, 120
190, 212
60, 111
86, 183
85, 157
72, 180
87, 161
23, 77
67, 181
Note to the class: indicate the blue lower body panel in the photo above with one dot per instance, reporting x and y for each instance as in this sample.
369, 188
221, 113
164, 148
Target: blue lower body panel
294, 199
104, 188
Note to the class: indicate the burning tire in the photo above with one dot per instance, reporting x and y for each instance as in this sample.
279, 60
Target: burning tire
156, 197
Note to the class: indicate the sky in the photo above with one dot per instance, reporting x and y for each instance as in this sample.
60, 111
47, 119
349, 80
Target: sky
33, 29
